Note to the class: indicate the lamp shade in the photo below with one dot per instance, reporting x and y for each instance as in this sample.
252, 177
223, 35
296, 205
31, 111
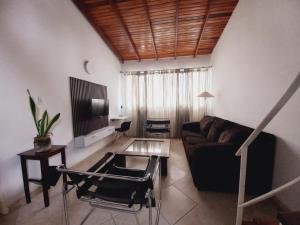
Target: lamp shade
205, 94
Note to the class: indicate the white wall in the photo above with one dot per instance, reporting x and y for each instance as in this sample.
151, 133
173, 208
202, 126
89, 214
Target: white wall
256, 58
42, 43
168, 63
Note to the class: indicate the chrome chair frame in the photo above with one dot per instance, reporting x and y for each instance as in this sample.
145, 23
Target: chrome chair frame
163, 124
99, 203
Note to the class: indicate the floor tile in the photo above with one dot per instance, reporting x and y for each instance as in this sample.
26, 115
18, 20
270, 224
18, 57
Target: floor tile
182, 203
98, 216
144, 217
199, 216
175, 204
174, 174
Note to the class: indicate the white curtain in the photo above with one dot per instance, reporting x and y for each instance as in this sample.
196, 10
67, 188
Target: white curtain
165, 94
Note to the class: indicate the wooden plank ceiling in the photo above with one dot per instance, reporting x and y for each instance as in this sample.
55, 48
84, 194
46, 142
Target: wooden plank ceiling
152, 29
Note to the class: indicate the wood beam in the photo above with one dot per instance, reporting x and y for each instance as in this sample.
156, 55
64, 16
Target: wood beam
176, 29
120, 18
146, 8
82, 8
203, 27
101, 3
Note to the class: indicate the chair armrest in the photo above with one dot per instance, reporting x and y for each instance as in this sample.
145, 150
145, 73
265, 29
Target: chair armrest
192, 126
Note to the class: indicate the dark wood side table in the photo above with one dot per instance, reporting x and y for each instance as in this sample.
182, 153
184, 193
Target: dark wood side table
43, 157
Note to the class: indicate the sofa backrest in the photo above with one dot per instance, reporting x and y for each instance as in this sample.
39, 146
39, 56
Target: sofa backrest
216, 129
237, 134
233, 135
205, 124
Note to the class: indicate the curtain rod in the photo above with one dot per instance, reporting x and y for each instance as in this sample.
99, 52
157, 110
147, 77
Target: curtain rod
164, 71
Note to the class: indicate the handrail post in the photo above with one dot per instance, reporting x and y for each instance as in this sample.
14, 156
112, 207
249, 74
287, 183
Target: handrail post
242, 184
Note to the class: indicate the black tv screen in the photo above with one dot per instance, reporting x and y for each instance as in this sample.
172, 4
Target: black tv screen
88, 117
99, 107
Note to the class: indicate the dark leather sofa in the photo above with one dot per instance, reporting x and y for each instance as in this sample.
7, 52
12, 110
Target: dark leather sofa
210, 146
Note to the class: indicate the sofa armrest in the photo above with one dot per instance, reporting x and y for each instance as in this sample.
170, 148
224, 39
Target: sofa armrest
192, 126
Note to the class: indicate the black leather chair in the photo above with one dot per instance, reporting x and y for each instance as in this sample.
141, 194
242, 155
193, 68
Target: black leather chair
109, 184
125, 126
157, 127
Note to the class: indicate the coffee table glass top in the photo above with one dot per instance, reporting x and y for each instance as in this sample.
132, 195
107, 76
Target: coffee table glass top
148, 147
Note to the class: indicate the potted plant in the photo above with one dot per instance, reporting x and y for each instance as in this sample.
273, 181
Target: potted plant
42, 141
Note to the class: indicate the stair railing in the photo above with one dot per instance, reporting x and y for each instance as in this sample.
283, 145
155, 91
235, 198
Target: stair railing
243, 152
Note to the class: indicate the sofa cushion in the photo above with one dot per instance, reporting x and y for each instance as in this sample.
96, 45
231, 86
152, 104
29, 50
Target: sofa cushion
227, 136
205, 124
192, 126
186, 133
236, 135
233, 135
192, 140
216, 128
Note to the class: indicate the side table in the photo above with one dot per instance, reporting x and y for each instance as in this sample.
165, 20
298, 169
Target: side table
43, 157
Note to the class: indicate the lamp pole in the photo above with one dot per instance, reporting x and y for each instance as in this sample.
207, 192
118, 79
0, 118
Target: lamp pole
205, 95
205, 106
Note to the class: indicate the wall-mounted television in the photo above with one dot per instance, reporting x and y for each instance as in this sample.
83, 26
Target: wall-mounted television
90, 106
99, 107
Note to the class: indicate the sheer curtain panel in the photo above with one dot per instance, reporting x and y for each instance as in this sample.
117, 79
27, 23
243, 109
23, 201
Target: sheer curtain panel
165, 94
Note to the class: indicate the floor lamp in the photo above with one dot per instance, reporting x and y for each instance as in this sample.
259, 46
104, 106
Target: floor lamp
205, 95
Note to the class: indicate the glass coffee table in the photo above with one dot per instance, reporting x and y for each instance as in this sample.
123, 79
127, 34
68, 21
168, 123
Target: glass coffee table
148, 147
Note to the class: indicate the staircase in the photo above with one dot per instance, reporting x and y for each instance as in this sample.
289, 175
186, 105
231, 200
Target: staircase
284, 218
261, 222
287, 219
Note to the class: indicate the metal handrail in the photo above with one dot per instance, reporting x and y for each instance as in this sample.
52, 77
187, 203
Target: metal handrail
270, 193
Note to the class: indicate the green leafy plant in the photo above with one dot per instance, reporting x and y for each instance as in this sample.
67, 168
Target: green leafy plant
44, 124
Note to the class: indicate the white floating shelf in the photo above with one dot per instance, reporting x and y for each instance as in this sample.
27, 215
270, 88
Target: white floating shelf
113, 118
95, 136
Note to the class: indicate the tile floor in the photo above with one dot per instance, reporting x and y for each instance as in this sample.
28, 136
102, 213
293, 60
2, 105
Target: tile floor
182, 203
